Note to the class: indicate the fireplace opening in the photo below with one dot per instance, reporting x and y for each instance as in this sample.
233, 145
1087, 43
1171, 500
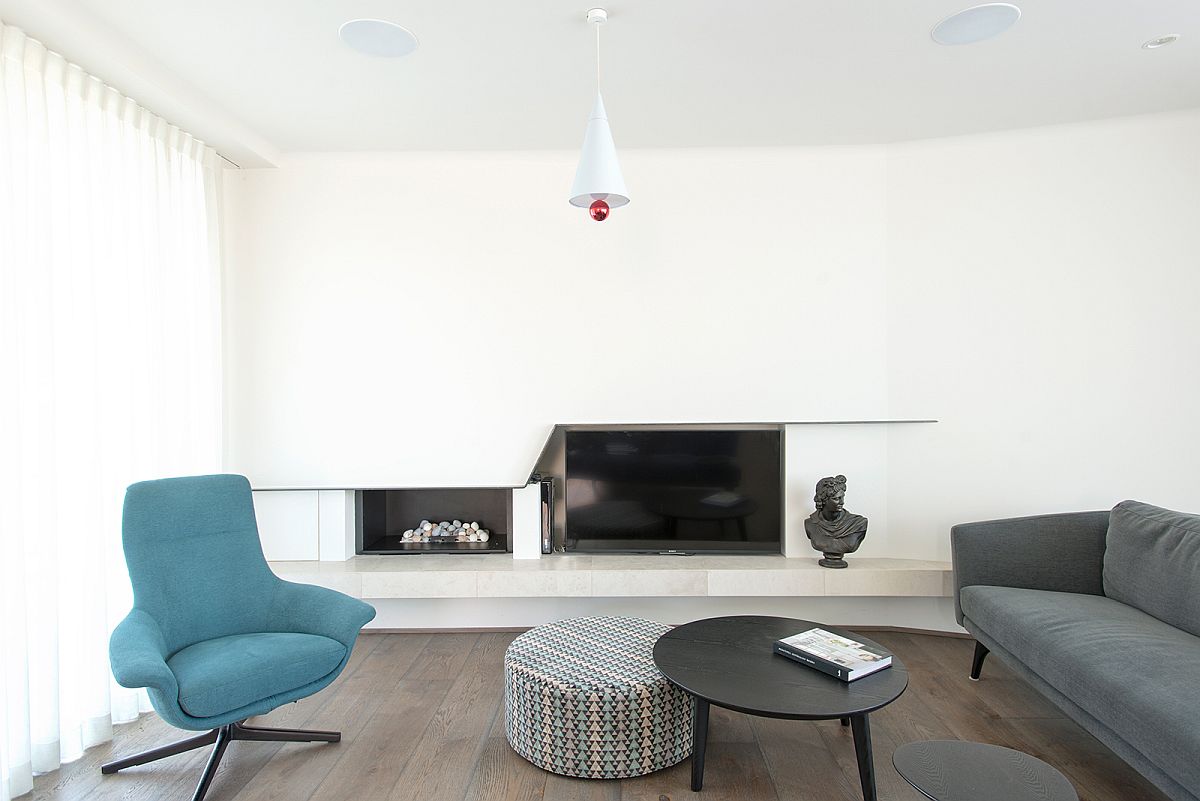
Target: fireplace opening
382, 516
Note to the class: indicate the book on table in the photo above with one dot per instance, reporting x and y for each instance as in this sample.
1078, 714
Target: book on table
839, 656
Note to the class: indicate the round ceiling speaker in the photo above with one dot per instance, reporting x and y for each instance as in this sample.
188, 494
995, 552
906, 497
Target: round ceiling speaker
976, 24
378, 37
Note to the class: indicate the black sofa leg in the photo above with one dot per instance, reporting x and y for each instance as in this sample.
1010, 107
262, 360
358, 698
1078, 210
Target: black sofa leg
981, 652
220, 739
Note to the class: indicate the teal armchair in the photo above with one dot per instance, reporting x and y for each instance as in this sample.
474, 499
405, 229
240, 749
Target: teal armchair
214, 636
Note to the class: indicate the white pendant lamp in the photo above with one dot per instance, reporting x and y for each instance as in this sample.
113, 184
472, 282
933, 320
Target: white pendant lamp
599, 185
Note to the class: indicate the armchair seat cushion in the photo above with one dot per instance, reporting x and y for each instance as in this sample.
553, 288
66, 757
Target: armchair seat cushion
220, 675
1130, 671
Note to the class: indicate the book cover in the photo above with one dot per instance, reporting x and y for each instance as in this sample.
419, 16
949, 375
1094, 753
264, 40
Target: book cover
836, 655
830, 668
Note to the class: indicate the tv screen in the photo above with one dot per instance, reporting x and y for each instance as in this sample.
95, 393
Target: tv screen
674, 491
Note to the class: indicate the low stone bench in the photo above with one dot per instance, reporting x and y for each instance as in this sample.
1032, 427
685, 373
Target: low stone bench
583, 698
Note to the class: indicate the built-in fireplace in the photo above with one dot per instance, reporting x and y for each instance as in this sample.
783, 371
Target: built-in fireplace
389, 521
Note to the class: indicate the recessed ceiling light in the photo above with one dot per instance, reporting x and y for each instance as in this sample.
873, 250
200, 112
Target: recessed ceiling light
377, 37
976, 24
1161, 41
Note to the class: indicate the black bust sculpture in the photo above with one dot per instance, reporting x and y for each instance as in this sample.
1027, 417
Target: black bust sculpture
832, 530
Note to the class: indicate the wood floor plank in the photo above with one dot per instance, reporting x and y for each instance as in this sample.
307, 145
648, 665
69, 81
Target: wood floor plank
440, 772
444, 657
1086, 761
732, 772
476, 694
385, 743
294, 771
501, 775
1010, 695
909, 719
889, 732
422, 720
566, 788
967, 713
505, 639
798, 756
458, 730
725, 726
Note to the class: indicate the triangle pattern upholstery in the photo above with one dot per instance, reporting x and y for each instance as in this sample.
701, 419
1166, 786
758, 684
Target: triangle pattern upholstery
583, 698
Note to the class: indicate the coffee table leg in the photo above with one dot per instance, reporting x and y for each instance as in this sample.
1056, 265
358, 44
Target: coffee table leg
699, 741
861, 729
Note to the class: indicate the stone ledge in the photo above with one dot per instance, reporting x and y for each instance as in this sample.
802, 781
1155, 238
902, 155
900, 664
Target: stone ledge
560, 576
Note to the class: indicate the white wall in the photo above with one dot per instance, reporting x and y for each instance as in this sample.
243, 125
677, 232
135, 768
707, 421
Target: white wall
859, 452
1044, 304
424, 318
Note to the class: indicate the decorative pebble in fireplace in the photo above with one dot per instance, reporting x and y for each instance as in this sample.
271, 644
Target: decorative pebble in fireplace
447, 531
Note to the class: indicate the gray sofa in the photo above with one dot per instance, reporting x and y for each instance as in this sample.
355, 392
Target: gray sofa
1100, 611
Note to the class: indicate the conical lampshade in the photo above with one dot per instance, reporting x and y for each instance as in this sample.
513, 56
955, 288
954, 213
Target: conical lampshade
598, 176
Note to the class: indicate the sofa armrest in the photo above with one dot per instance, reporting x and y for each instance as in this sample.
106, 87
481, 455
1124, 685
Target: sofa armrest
138, 654
309, 609
1061, 552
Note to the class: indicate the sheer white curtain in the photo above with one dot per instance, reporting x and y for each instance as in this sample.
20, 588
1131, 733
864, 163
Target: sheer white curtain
109, 373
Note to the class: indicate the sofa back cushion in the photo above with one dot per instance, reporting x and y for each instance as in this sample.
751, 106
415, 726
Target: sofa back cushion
1152, 562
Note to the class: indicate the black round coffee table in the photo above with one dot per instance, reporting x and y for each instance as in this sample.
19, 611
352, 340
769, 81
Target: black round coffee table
729, 661
953, 770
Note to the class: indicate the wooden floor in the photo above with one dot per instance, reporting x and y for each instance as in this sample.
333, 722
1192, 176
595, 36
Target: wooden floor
422, 720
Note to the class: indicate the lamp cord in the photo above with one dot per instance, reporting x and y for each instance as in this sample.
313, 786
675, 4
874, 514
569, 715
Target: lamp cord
597, 57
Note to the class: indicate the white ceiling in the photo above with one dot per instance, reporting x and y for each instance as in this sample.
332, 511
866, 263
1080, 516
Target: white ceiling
676, 74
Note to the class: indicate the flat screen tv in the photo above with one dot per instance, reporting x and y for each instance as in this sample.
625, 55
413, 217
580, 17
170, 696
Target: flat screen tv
674, 491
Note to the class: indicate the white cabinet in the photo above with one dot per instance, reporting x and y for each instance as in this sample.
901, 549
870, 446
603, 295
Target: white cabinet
335, 510
288, 524
526, 540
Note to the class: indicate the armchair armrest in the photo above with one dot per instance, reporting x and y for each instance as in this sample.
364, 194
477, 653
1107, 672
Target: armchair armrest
308, 609
1061, 552
138, 654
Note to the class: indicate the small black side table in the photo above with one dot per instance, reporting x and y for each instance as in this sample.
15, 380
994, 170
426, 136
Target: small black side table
729, 661
952, 770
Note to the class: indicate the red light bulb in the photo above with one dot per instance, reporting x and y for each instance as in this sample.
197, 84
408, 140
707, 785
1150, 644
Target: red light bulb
599, 210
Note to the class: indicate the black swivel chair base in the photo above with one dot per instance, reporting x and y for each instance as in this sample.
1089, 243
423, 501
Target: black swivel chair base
221, 738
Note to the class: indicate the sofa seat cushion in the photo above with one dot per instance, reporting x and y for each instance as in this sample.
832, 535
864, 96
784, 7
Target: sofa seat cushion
217, 676
1129, 670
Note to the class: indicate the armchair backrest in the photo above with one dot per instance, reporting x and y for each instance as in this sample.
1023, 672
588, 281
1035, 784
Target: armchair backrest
194, 557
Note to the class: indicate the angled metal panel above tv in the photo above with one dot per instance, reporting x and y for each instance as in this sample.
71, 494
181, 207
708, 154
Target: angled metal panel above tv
655, 488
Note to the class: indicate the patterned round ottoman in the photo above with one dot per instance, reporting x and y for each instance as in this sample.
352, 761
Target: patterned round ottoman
583, 698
